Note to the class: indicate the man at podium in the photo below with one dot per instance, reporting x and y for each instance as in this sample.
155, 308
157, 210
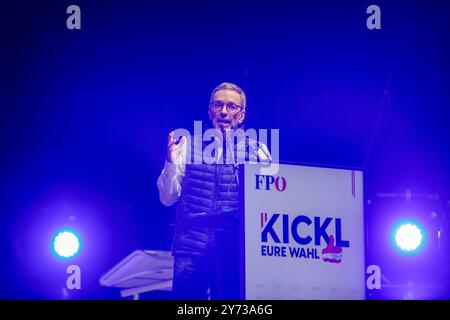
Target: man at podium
205, 245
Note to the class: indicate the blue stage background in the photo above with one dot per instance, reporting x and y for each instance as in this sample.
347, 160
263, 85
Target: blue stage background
85, 114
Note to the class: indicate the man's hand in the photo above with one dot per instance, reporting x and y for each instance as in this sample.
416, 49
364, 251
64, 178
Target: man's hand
174, 148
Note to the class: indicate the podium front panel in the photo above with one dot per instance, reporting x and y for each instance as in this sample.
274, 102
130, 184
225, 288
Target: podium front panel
304, 233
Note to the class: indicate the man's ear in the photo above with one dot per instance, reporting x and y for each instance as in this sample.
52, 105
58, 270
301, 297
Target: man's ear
242, 117
210, 115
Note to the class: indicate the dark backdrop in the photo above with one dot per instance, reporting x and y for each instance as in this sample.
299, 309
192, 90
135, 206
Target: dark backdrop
85, 114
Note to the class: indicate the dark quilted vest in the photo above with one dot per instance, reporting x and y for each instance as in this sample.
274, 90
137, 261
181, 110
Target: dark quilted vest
208, 205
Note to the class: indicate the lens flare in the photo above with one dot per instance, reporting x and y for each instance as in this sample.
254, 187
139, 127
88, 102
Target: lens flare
408, 237
66, 244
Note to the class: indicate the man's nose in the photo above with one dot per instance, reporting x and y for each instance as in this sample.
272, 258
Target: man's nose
224, 110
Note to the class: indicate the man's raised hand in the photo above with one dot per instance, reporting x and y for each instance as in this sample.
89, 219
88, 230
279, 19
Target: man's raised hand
174, 148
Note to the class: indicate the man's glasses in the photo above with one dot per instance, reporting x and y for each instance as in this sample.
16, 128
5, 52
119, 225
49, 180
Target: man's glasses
231, 107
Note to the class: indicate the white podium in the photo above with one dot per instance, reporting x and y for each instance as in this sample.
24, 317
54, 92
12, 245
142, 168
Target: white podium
141, 271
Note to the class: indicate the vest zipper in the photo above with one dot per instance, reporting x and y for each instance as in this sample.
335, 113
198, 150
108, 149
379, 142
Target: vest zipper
216, 190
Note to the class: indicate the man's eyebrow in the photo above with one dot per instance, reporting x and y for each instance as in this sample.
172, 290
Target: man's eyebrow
223, 102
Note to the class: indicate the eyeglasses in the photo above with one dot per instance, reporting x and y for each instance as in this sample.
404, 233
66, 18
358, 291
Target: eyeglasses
231, 107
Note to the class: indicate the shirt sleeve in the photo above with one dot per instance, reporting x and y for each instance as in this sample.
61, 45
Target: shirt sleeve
171, 178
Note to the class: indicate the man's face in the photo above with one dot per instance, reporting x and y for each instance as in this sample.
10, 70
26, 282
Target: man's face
226, 110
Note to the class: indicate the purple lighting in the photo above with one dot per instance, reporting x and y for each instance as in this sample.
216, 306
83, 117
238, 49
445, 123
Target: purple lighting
408, 237
66, 244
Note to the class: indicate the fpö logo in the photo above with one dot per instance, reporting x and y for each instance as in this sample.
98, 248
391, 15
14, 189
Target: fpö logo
301, 237
268, 182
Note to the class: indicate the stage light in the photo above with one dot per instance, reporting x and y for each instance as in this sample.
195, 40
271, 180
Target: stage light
408, 237
66, 244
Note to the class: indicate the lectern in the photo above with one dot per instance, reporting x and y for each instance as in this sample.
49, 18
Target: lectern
141, 271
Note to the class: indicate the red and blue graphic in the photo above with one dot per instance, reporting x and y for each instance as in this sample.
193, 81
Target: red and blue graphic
278, 241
